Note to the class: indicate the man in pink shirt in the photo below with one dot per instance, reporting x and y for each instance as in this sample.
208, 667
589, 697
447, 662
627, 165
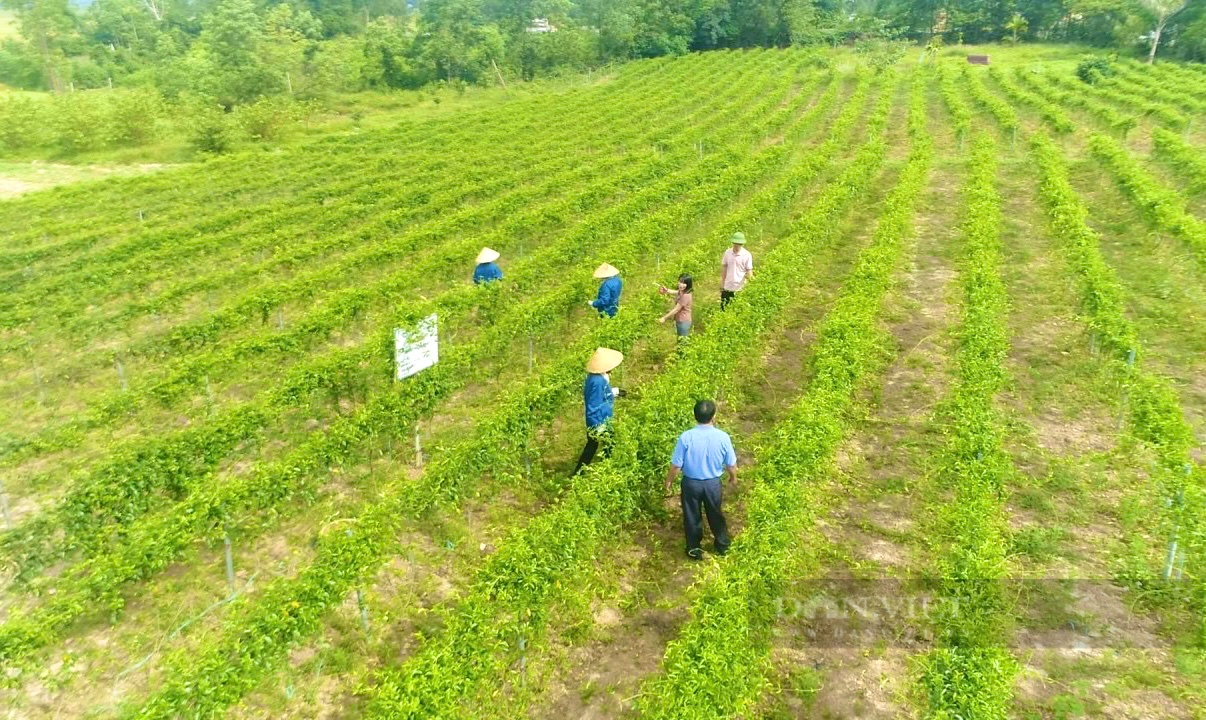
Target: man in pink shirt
736, 267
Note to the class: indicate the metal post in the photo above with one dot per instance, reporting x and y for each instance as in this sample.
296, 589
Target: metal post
230, 576
1172, 554
523, 659
363, 609
1175, 504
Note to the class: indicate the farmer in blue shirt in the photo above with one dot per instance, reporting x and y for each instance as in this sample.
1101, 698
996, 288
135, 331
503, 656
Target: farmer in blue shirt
608, 301
703, 454
486, 271
598, 396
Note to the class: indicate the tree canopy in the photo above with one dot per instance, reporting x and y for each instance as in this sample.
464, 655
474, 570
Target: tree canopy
232, 51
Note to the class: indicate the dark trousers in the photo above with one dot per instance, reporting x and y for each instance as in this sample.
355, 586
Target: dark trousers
595, 439
726, 297
706, 493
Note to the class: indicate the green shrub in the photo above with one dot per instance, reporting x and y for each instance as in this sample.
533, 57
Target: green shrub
75, 121
133, 116
23, 124
1090, 70
270, 118
208, 127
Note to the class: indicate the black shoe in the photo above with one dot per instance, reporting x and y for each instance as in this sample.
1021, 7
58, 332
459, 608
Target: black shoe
695, 554
721, 551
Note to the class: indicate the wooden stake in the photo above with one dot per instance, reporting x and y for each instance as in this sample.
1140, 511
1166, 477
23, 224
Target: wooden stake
121, 372
230, 576
8, 521
499, 74
418, 449
41, 389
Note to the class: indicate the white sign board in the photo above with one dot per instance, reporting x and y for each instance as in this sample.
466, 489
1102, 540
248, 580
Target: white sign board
419, 349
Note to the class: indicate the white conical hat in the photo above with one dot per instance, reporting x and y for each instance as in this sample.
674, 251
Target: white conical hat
487, 255
606, 271
604, 360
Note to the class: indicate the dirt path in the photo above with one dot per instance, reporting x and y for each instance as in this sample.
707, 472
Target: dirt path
875, 534
19, 178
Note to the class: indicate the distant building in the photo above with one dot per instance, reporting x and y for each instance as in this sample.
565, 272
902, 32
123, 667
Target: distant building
541, 25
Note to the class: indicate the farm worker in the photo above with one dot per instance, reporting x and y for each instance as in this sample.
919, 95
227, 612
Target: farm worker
703, 454
486, 270
608, 300
598, 396
736, 267
681, 312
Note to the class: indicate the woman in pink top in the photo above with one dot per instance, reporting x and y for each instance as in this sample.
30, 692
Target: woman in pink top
681, 312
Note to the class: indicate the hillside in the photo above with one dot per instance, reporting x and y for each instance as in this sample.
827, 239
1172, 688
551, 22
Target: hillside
965, 386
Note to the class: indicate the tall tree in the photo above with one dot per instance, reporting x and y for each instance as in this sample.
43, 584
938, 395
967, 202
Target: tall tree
1017, 24
229, 55
1162, 11
47, 25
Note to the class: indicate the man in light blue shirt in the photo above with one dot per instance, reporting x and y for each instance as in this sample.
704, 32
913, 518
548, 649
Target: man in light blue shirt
703, 455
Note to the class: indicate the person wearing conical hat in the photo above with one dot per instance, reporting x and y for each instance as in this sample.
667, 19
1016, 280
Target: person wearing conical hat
486, 270
598, 398
736, 267
608, 300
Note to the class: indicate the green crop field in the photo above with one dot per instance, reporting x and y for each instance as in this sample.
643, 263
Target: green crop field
967, 388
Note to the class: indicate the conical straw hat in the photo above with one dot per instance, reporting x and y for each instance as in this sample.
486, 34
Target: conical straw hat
604, 360
606, 271
487, 255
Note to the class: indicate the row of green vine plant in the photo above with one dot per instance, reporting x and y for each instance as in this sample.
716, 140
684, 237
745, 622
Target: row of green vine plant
150, 544
329, 580
1153, 409
511, 597
718, 665
138, 478
970, 673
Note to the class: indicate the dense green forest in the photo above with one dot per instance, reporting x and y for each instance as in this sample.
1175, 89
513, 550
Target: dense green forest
234, 51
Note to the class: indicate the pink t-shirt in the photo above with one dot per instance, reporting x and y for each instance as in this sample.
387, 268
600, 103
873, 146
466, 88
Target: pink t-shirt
736, 267
683, 301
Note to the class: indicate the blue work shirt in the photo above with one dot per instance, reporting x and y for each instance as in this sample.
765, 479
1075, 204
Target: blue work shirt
598, 399
485, 272
608, 301
703, 452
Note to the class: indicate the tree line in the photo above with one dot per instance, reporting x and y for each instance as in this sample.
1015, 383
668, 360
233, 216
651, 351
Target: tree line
235, 51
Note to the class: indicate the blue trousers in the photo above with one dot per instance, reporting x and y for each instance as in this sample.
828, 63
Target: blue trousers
705, 494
